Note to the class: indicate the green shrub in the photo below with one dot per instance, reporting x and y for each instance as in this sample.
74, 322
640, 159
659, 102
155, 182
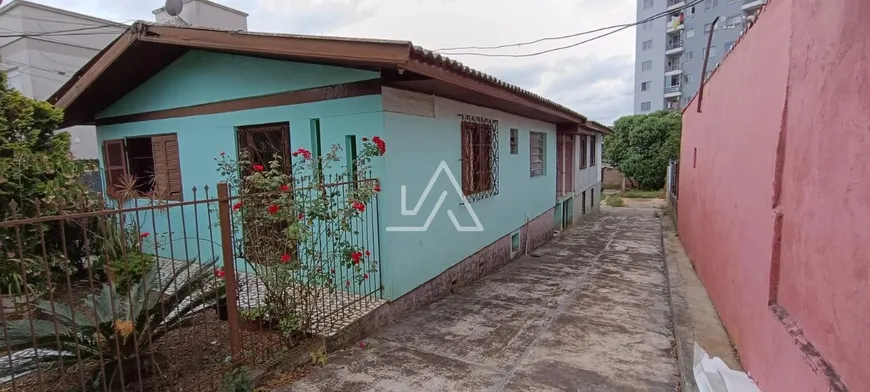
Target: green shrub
124, 324
615, 201
39, 176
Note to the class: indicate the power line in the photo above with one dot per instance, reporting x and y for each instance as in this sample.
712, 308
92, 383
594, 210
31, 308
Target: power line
57, 71
56, 32
31, 18
39, 76
535, 41
618, 28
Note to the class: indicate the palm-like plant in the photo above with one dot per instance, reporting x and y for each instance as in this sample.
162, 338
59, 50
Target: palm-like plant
116, 338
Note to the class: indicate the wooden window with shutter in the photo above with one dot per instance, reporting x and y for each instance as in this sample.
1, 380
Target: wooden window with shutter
152, 162
115, 160
584, 156
167, 167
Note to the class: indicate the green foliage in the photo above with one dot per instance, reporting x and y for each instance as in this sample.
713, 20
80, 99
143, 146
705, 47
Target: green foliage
123, 324
253, 313
130, 269
614, 201
636, 194
37, 170
319, 357
642, 145
238, 380
122, 250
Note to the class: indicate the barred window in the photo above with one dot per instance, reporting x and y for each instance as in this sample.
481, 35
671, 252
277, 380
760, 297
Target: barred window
479, 157
537, 154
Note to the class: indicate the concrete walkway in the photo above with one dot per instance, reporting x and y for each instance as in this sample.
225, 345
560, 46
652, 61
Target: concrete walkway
586, 312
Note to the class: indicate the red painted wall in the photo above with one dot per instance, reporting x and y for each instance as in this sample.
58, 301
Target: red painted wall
727, 203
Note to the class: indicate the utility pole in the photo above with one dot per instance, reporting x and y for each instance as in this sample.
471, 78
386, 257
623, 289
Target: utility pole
706, 58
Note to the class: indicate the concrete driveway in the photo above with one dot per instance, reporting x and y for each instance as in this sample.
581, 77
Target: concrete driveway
586, 312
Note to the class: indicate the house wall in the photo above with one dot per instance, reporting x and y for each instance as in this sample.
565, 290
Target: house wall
417, 144
202, 138
801, 123
587, 180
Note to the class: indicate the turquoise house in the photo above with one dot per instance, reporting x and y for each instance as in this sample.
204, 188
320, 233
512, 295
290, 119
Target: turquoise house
469, 180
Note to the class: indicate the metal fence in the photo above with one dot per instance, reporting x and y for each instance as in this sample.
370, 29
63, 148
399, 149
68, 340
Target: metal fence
142, 295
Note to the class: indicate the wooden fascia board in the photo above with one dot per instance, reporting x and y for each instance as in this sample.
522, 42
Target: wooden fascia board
383, 53
469, 83
95, 70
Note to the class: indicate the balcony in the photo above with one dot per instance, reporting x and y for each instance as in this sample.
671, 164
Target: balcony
675, 69
673, 105
674, 47
750, 6
676, 5
673, 91
674, 26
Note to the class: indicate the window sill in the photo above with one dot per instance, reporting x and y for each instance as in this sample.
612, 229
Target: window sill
480, 196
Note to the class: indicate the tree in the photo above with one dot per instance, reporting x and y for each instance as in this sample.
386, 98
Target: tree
36, 168
642, 145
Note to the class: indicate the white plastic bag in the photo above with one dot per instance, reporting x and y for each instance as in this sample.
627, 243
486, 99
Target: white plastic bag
713, 375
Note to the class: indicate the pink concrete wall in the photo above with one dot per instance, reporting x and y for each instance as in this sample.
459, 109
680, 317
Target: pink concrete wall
825, 263
728, 231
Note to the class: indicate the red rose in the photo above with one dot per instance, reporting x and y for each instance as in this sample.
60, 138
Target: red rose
285, 258
332, 271
219, 273
368, 253
365, 276
273, 209
356, 256
359, 206
365, 139
301, 216
237, 206
382, 146
362, 344
284, 188
258, 167
305, 153
295, 154
377, 188
223, 153
347, 283
144, 235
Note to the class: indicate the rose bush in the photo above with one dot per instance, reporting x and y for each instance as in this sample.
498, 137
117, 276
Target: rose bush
298, 231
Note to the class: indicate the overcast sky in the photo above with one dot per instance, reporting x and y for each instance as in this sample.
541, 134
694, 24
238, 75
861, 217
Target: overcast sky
595, 79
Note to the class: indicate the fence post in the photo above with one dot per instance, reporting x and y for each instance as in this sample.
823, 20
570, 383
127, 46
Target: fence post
229, 269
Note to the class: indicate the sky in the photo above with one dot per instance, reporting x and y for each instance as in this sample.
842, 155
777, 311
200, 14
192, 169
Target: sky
594, 79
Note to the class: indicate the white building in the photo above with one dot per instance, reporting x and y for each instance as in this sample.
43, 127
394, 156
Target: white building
41, 47
205, 13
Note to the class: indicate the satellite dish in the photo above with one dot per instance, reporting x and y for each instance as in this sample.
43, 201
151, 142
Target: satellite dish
173, 7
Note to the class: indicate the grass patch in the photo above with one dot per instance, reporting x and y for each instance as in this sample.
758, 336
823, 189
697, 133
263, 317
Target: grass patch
636, 194
615, 201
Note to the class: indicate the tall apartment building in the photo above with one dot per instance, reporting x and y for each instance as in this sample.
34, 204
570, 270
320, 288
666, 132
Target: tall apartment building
669, 50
